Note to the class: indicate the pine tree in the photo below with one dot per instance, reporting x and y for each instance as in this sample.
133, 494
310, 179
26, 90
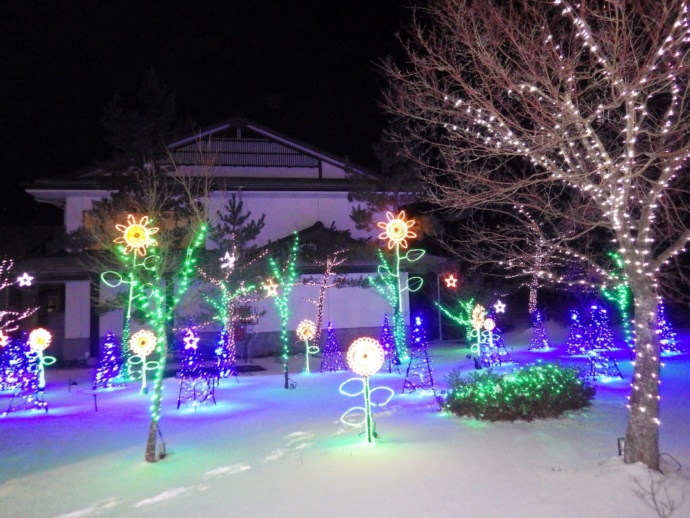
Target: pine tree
576, 336
598, 332
539, 339
667, 336
387, 341
109, 364
419, 375
332, 354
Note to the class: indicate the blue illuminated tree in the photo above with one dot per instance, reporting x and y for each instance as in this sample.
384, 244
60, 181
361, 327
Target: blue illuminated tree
667, 336
419, 375
539, 339
332, 354
192, 360
109, 364
387, 341
598, 332
576, 336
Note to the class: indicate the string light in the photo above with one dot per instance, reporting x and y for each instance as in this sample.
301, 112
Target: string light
285, 277
397, 232
109, 364
136, 235
332, 355
25, 279
306, 330
365, 357
39, 340
419, 375
451, 281
142, 343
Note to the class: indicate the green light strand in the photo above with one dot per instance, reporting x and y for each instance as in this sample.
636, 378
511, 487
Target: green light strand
285, 277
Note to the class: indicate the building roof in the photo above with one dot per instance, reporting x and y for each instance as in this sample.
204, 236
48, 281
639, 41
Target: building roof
237, 154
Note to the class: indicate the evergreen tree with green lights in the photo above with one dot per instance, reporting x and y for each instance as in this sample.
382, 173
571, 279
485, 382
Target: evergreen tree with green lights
235, 276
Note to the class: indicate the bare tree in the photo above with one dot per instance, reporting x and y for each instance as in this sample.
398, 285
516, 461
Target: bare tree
580, 113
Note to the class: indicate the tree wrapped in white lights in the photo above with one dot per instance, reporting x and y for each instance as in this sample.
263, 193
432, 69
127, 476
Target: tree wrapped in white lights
580, 114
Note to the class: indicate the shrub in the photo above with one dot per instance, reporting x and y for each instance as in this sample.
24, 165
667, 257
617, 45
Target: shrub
531, 392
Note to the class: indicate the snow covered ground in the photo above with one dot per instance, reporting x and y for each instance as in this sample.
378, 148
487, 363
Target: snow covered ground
264, 451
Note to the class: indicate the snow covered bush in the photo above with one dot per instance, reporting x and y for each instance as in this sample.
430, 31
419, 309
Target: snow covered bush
530, 392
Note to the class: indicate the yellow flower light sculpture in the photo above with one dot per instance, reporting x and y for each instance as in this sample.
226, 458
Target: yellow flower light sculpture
478, 316
306, 330
396, 229
39, 340
365, 356
136, 235
142, 342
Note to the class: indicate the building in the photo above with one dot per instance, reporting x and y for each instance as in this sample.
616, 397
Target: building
295, 185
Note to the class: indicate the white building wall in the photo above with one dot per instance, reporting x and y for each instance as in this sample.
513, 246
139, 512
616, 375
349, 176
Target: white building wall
75, 207
77, 319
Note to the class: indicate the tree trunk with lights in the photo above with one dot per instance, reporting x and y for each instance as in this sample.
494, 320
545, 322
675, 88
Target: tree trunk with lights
561, 130
642, 434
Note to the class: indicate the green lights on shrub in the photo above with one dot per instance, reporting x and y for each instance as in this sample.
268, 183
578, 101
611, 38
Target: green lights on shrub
531, 392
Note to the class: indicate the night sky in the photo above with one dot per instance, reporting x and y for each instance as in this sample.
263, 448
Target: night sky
305, 68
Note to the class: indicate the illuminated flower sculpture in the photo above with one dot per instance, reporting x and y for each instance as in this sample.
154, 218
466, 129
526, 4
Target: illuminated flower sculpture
397, 232
39, 340
396, 229
136, 235
143, 343
365, 357
4, 339
477, 322
306, 330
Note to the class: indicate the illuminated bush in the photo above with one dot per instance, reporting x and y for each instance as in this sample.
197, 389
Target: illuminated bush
528, 393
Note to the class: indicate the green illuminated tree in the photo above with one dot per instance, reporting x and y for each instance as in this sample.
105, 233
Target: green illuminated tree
279, 287
236, 276
145, 235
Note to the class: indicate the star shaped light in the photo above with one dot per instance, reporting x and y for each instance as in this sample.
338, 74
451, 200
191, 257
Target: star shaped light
451, 281
271, 288
228, 261
190, 340
25, 279
500, 307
